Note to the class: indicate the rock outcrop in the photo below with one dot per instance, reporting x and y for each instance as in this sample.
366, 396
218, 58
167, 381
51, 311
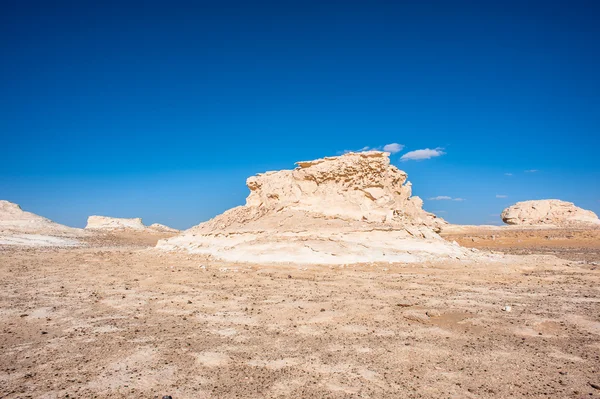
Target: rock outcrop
347, 209
548, 212
162, 228
18, 227
109, 223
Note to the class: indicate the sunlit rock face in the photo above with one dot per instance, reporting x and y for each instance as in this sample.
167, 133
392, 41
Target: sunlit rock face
351, 208
18, 227
109, 223
548, 212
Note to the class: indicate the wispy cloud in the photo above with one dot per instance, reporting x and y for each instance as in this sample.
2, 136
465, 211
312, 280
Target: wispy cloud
445, 198
508, 174
393, 148
439, 211
365, 148
501, 196
418, 155
531, 171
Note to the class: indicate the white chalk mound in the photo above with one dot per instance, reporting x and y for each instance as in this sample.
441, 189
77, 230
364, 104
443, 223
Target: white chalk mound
18, 227
108, 223
548, 212
349, 209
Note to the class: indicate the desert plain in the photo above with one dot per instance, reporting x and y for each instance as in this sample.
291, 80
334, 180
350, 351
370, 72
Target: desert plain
515, 314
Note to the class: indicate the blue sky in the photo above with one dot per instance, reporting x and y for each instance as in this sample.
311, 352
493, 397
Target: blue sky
161, 110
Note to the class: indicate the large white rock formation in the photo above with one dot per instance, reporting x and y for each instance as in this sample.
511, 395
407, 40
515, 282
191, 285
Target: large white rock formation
18, 227
548, 212
347, 209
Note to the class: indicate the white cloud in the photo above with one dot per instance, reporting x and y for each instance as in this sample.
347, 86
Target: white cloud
445, 198
419, 155
365, 148
501, 196
393, 148
531, 171
508, 174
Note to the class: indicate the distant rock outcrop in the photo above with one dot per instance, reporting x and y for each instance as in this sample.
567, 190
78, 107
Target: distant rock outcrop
548, 212
109, 223
162, 228
18, 227
347, 209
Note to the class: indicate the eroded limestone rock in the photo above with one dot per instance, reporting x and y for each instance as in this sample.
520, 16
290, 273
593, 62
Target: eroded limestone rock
548, 212
110, 223
347, 209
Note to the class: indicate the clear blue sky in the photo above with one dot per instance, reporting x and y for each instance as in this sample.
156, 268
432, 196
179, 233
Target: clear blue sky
162, 109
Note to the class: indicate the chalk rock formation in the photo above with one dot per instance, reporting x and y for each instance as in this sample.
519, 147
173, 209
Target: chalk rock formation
108, 223
18, 227
347, 209
162, 228
548, 212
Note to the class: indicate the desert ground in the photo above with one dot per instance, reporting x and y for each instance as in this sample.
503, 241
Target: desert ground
119, 319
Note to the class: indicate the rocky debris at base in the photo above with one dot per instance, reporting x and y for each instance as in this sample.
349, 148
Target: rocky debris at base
548, 212
18, 227
353, 208
38, 240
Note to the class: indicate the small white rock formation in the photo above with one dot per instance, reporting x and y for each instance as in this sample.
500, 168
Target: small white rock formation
108, 223
548, 212
18, 227
353, 208
162, 228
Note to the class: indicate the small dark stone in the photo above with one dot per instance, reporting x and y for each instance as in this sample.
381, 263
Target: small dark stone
44, 332
595, 386
167, 397
322, 310
289, 276
189, 302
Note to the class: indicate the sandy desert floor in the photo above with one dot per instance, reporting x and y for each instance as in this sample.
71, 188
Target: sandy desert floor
118, 319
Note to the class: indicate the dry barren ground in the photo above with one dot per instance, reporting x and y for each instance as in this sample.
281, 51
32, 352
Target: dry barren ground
130, 322
574, 244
